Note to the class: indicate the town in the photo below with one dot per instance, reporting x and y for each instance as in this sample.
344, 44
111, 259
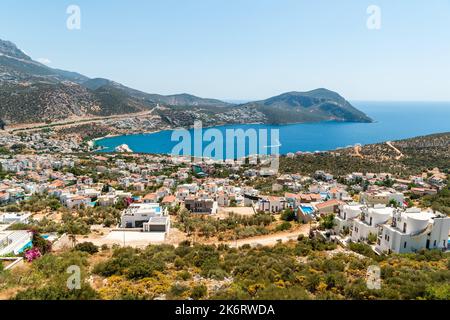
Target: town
54, 203
143, 199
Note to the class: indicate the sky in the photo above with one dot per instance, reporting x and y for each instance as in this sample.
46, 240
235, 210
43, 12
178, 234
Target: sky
244, 49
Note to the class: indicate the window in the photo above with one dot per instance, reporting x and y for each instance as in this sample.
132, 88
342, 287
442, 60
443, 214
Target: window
435, 243
404, 245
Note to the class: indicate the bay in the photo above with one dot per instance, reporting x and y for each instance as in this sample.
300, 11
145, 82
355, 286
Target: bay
393, 121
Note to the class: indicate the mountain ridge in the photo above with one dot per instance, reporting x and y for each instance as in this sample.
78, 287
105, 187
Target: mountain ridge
30, 90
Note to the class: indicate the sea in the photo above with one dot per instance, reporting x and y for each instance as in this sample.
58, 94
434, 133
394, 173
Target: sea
392, 121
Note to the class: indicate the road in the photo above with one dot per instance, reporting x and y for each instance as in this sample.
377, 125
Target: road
400, 154
73, 122
271, 239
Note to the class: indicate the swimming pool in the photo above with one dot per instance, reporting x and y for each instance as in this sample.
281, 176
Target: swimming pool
29, 245
307, 210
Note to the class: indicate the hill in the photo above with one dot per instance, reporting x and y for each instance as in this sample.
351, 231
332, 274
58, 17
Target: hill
312, 106
419, 154
31, 92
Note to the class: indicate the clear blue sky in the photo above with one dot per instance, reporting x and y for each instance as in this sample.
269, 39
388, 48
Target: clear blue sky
244, 49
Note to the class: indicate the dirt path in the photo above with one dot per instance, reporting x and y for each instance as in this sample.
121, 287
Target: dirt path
400, 154
358, 152
177, 236
270, 239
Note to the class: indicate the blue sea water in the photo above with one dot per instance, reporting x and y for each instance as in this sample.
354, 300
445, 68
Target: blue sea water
393, 121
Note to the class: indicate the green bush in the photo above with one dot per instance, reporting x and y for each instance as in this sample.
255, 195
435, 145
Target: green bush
327, 222
199, 292
177, 290
184, 275
288, 215
284, 226
88, 247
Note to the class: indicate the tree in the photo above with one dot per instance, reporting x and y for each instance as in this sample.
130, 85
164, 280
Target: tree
288, 215
327, 222
41, 244
393, 203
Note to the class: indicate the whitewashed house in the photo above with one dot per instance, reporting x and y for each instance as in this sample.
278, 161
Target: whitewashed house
272, 204
346, 215
412, 230
369, 221
137, 214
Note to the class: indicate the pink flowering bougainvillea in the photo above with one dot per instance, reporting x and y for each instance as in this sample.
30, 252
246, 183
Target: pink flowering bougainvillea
32, 254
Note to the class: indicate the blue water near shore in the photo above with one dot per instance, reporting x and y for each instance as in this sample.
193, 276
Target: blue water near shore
393, 121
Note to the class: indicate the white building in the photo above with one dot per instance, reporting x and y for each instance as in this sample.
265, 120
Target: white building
413, 230
157, 224
369, 221
13, 217
142, 215
13, 241
382, 197
347, 213
72, 201
272, 204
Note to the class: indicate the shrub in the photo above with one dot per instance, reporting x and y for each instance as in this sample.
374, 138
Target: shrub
372, 238
177, 290
145, 269
88, 247
179, 263
288, 215
184, 275
327, 222
363, 249
199, 292
284, 226
41, 244
57, 292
